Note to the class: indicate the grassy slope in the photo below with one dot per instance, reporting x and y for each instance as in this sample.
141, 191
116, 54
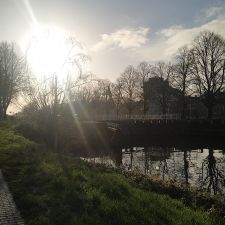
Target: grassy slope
92, 195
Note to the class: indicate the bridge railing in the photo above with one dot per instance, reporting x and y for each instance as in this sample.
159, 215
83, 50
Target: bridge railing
136, 117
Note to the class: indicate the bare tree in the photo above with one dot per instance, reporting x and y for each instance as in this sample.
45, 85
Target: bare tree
208, 54
117, 96
12, 73
130, 88
162, 93
57, 87
84, 94
144, 71
48, 97
103, 96
94, 97
182, 76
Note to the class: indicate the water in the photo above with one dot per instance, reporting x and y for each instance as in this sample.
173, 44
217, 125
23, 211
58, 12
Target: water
203, 169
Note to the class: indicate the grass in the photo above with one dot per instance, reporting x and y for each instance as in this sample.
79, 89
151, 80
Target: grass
90, 195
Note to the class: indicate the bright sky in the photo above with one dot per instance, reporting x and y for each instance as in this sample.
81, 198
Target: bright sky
116, 33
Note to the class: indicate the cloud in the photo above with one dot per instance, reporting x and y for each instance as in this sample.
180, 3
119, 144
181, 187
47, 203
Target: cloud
170, 39
211, 13
184, 36
131, 46
170, 31
214, 11
123, 38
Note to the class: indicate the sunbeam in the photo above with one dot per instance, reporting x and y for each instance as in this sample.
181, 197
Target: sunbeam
30, 12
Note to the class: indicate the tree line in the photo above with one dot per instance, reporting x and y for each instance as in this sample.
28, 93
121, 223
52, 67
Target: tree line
196, 70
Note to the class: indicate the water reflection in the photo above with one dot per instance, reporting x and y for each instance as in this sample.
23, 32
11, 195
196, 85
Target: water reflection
213, 177
203, 169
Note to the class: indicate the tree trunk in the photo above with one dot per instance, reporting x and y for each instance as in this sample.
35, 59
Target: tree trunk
183, 113
3, 109
129, 112
209, 103
1, 113
144, 98
210, 111
117, 112
164, 108
4, 114
144, 107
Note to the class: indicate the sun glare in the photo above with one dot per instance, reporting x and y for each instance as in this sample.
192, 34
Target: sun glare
48, 51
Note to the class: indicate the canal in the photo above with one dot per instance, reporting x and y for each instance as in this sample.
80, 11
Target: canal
200, 168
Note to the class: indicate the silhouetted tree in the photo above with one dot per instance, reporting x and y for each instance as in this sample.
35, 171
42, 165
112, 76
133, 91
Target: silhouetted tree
144, 71
117, 96
208, 54
104, 88
162, 93
47, 97
130, 88
12, 74
182, 76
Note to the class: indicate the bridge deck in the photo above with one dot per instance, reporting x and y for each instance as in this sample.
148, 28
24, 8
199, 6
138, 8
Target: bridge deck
136, 117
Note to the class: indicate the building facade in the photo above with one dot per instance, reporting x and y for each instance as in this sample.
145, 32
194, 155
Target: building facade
161, 98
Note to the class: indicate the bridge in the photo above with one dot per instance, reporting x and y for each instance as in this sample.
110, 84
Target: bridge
113, 121
106, 130
167, 125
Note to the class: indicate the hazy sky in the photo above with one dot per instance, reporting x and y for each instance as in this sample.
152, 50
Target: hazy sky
117, 33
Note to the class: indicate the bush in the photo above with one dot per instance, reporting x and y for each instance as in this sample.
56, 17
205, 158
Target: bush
28, 131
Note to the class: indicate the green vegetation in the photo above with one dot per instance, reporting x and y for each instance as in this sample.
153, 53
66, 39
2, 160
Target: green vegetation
90, 195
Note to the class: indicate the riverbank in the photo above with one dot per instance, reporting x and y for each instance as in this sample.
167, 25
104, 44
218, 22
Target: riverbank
48, 190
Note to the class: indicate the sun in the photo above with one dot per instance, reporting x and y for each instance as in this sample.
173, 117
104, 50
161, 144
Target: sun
49, 51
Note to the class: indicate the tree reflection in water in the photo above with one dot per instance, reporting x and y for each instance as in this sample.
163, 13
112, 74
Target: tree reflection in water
186, 167
213, 177
203, 169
